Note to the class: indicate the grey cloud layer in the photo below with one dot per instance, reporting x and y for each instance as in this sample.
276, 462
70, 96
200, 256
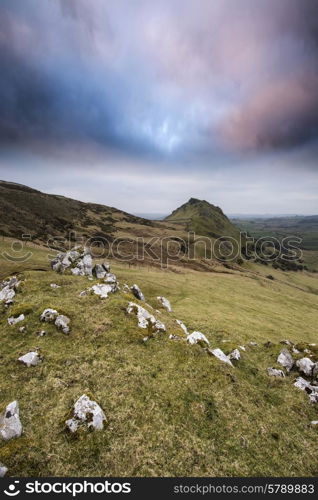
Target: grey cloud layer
160, 77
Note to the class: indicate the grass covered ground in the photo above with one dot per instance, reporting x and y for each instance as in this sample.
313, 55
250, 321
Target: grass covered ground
171, 409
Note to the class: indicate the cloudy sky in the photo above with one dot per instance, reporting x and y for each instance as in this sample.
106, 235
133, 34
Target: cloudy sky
142, 104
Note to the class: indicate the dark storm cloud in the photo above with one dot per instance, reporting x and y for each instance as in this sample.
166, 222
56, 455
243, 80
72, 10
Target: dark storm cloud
142, 77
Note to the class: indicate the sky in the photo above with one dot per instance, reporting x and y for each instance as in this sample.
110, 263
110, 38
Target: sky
142, 104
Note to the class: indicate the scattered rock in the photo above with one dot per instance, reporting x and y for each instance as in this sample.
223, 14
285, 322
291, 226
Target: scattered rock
110, 278
182, 325
286, 342
22, 329
302, 384
13, 321
7, 294
165, 303
78, 260
285, 359
313, 422
235, 355
305, 366
54, 285
83, 293
62, 323
86, 413
242, 348
145, 319
102, 290
8, 289
31, 359
10, 425
3, 470
100, 270
49, 315
137, 292
253, 343
126, 288
218, 353
197, 338
41, 333
273, 372
295, 351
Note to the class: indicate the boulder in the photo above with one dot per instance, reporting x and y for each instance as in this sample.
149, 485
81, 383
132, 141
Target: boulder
302, 384
62, 323
137, 292
235, 355
306, 366
87, 413
32, 358
197, 338
3, 470
99, 271
145, 319
49, 315
218, 353
273, 372
7, 294
165, 303
102, 290
10, 425
285, 359
13, 321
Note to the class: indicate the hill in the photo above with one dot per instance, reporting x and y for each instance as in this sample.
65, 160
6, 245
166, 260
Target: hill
171, 409
204, 219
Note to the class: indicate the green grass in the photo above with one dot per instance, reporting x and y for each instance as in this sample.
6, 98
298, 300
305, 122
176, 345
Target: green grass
171, 409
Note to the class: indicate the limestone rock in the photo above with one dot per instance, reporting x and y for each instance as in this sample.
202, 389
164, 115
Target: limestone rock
100, 271
302, 384
273, 372
49, 315
78, 260
102, 290
10, 425
313, 422
235, 355
13, 321
182, 326
86, 413
62, 323
218, 353
110, 278
54, 285
165, 303
32, 358
285, 359
197, 338
137, 292
22, 329
3, 470
305, 366
145, 319
7, 294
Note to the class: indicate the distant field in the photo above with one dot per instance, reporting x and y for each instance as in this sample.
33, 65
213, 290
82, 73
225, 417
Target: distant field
280, 227
171, 409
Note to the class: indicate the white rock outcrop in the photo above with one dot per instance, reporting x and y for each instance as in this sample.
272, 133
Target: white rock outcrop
62, 323
49, 315
145, 319
137, 292
197, 338
273, 372
8, 289
78, 260
86, 413
306, 366
165, 304
32, 358
10, 425
235, 355
218, 353
285, 359
3, 470
13, 321
102, 290
100, 270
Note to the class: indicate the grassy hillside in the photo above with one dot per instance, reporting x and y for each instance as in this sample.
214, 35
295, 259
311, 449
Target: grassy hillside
203, 218
171, 409
304, 227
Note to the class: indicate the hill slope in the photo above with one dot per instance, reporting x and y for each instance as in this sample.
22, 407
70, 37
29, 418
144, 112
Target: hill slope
170, 408
203, 218
24, 210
